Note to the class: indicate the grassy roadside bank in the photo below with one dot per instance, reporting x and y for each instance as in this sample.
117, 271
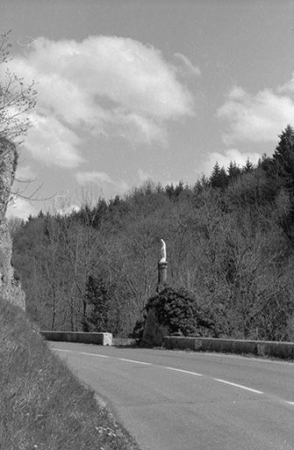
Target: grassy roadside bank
43, 406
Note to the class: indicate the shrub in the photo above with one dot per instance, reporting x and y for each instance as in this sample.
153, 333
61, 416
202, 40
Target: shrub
180, 311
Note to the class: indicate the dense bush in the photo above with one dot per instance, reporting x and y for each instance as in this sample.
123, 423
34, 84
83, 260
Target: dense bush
181, 313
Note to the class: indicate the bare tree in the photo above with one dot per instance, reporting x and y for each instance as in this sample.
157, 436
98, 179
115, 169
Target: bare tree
17, 98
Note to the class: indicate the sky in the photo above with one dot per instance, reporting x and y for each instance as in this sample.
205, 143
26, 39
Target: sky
136, 90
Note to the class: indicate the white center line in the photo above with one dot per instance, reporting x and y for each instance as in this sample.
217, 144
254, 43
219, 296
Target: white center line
80, 353
185, 371
62, 350
240, 386
94, 354
136, 362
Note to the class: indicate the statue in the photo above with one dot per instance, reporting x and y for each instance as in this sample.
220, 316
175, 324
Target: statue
162, 266
163, 251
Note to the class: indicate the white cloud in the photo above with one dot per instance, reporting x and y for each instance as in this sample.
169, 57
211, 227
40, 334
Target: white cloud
230, 155
256, 118
21, 208
144, 176
135, 127
93, 177
187, 67
103, 180
287, 88
104, 85
51, 141
24, 173
24, 185
68, 209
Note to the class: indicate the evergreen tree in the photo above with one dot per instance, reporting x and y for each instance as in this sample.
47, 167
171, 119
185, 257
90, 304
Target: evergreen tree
248, 166
283, 158
218, 178
233, 170
281, 173
98, 298
170, 190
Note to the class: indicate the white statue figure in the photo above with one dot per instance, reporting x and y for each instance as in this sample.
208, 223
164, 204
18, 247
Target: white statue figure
163, 251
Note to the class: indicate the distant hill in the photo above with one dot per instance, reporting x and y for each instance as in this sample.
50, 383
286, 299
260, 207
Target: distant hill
229, 237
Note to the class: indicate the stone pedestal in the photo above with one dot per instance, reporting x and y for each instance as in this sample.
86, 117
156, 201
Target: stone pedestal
162, 273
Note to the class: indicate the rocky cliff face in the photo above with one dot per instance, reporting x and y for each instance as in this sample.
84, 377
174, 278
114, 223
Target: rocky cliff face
10, 288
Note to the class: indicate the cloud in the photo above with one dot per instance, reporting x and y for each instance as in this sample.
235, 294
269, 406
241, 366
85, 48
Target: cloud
21, 208
187, 68
255, 117
24, 173
103, 180
230, 155
67, 210
93, 177
287, 88
102, 85
23, 186
144, 176
51, 141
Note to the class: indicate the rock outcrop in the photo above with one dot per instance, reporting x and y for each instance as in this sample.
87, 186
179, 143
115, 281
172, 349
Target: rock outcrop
10, 288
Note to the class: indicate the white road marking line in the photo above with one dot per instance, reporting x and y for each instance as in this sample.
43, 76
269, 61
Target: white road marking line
289, 403
62, 350
184, 371
80, 353
136, 362
238, 386
94, 354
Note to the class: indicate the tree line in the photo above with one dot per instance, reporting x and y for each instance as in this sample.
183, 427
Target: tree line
230, 242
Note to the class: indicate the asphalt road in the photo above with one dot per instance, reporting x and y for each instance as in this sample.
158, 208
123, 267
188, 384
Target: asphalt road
173, 400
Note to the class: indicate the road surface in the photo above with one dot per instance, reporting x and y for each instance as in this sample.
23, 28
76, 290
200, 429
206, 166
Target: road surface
174, 400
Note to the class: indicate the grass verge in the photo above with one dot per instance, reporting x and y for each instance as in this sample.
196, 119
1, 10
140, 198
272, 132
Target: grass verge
43, 406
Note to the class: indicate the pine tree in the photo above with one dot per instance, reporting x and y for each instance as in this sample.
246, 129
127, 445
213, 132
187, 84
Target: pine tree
283, 158
218, 178
248, 166
233, 170
98, 298
282, 173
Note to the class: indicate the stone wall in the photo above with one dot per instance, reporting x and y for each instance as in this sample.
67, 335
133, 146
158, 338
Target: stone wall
283, 350
78, 336
10, 288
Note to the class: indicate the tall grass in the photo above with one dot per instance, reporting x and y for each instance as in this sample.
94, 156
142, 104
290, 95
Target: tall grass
43, 406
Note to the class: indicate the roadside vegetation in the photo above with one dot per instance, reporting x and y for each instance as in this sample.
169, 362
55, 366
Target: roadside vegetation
43, 406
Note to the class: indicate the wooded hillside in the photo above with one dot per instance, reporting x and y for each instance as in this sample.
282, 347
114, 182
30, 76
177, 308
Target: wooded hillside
230, 242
